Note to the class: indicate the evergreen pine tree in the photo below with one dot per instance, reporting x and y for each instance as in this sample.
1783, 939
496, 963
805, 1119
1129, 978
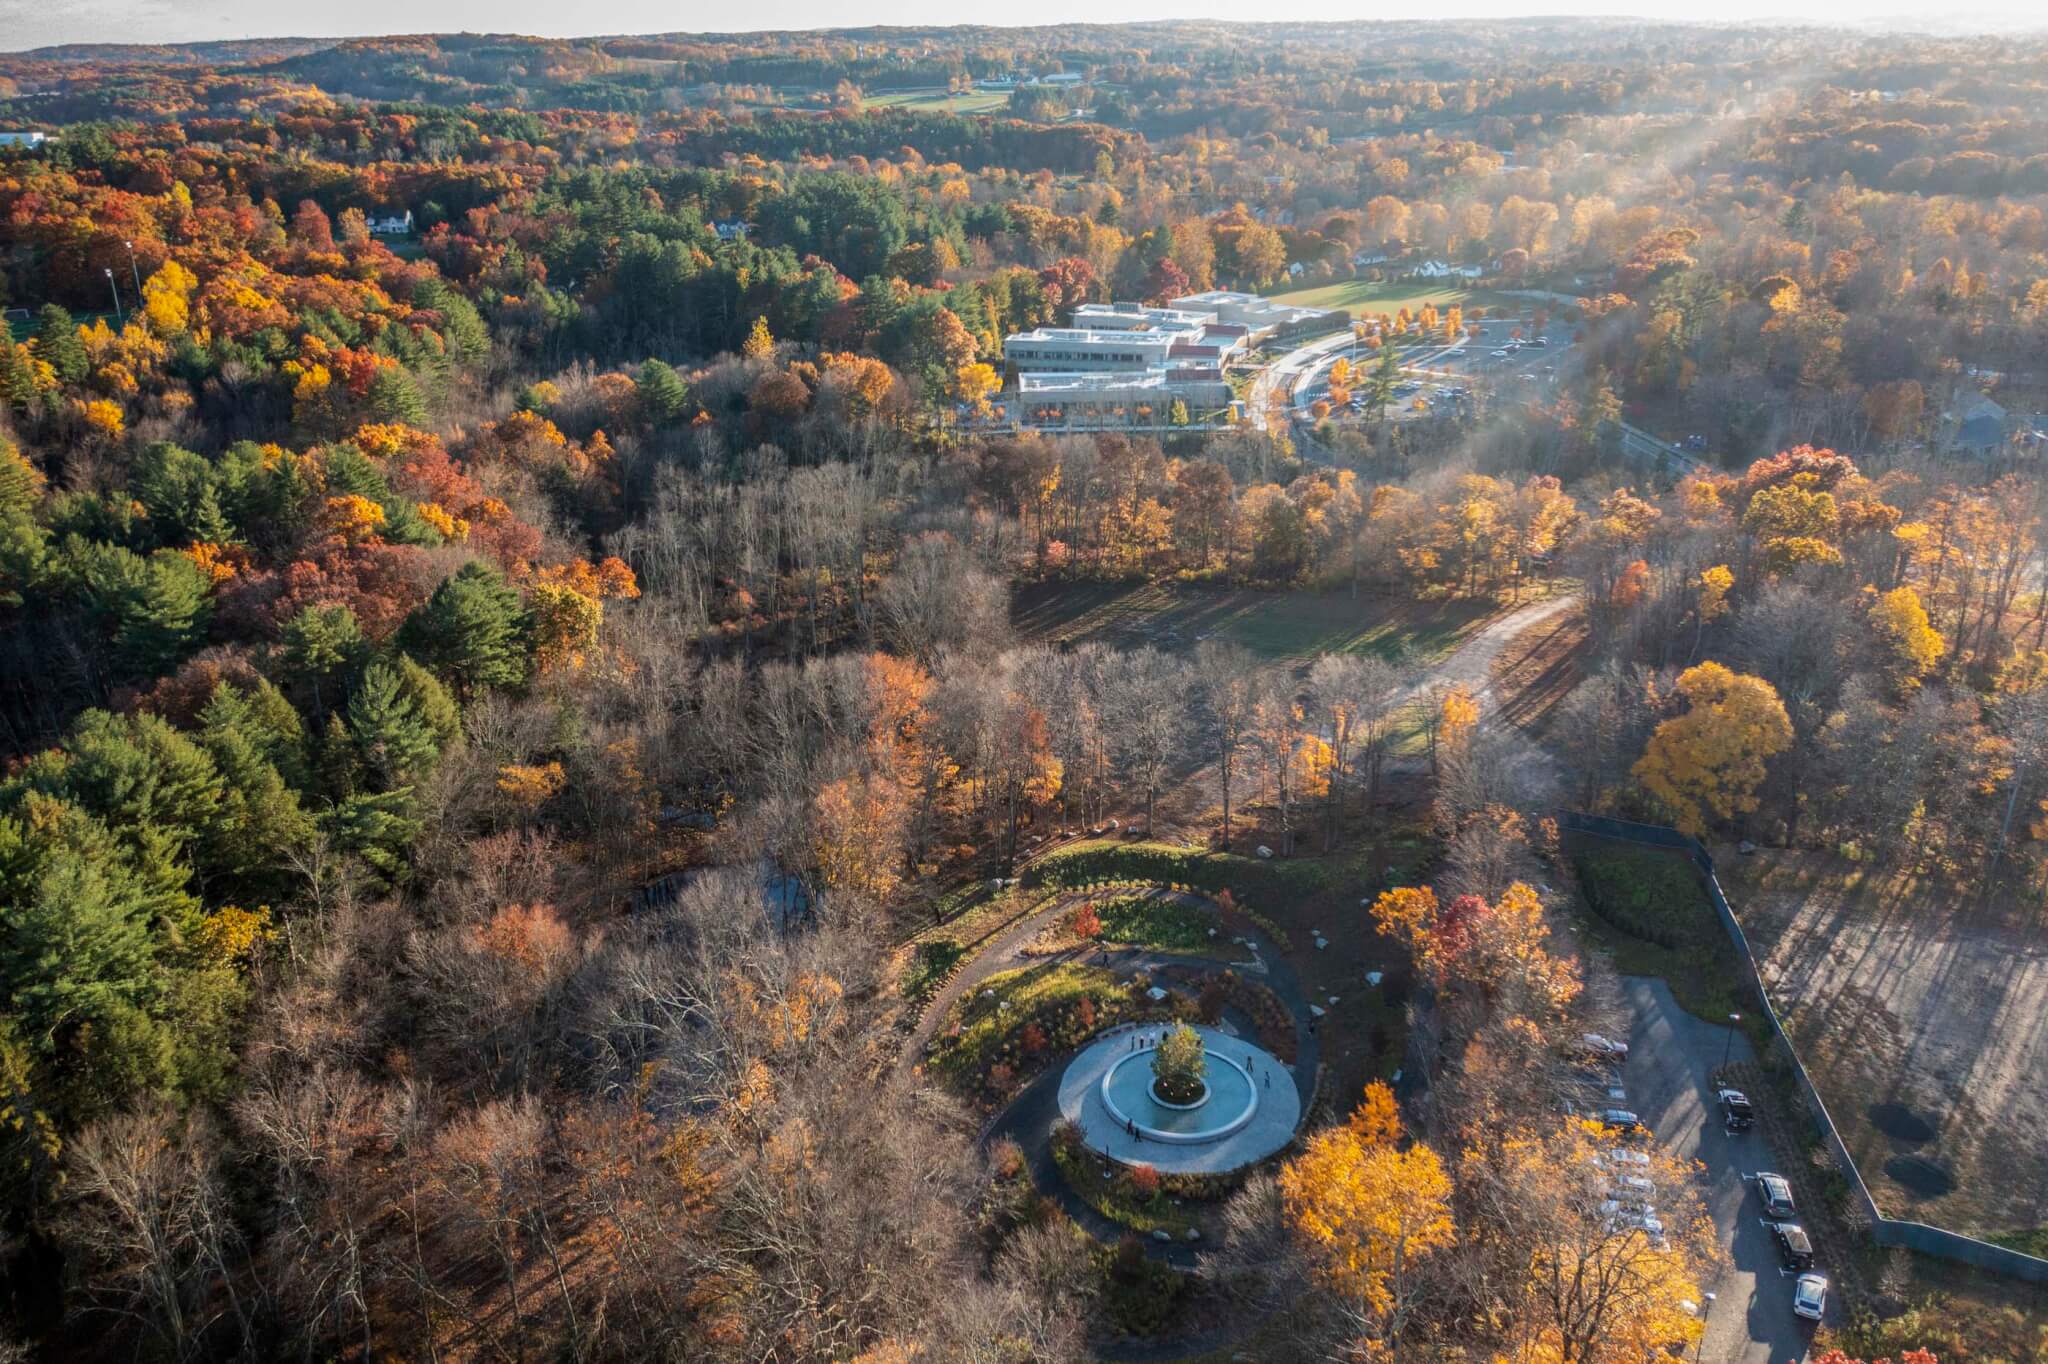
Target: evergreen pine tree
24, 544
165, 618
396, 744
663, 392
472, 631
395, 397
439, 709
323, 647
57, 342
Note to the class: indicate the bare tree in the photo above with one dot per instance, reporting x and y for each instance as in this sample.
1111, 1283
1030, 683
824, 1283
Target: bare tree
147, 1219
1147, 701
1354, 697
1228, 679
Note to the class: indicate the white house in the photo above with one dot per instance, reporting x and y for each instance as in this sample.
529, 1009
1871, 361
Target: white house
732, 230
1436, 269
23, 139
392, 224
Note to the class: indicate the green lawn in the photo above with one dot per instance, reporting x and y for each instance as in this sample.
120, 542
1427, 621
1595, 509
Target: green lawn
1364, 297
1167, 925
938, 98
1649, 912
929, 963
1274, 625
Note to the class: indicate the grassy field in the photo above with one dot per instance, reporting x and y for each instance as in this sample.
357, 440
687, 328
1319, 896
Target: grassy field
1365, 296
1650, 915
938, 98
1274, 625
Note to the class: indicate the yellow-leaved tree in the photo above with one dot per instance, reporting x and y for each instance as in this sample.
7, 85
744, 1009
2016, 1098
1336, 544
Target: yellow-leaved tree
1707, 763
1609, 1264
1916, 646
1367, 1213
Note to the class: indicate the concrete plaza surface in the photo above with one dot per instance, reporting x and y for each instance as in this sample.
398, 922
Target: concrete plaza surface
1271, 1126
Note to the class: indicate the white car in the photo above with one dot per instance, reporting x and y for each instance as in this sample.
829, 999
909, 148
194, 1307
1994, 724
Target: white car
1623, 1157
1500, 355
1810, 1296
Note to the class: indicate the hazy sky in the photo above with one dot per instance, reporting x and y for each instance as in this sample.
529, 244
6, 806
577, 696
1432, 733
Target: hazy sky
34, 23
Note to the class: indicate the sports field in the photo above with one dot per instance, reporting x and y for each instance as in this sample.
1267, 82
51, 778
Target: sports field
1364, 297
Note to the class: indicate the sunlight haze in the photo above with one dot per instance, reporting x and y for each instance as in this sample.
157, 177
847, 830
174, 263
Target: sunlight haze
26, 24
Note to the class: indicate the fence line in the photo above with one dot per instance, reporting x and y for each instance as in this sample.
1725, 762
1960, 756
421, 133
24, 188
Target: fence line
1887, 1231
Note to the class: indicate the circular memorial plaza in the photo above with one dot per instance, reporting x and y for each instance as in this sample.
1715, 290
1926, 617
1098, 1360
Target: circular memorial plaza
1246, 1109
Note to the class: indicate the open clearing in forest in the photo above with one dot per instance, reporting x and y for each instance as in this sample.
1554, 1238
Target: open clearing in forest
1365, 297
1274, 625
938, 98
1924, 1020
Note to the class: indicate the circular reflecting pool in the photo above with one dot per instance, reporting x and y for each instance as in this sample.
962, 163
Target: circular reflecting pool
1230, 1103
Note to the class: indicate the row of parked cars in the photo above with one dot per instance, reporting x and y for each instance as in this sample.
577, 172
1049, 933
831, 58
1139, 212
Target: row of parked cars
1628, 1190
1781, 1217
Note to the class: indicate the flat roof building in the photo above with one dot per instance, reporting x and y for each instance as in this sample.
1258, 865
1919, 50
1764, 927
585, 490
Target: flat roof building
1074, 349
1138, 317
1122, 402
1261, 316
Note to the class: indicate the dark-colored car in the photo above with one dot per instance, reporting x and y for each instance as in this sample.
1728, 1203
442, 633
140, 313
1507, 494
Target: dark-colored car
1776, 1193
1620, 1120
1736, 1110
1795, 1248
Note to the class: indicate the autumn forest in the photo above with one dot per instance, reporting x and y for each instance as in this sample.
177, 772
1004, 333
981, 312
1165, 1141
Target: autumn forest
590, 751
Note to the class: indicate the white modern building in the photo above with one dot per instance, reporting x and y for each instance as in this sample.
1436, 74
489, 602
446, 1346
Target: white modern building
1260, 316
1086, 349
1144, 401
1136, 317
23, 139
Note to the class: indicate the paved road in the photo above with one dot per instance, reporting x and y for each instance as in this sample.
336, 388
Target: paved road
1672, 1056
1279, 378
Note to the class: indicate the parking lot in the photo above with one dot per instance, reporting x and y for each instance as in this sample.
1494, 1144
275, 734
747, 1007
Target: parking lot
1668, 1079
1448, 377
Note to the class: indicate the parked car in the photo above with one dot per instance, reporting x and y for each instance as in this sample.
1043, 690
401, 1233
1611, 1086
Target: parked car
1776, 1193
1500, 355
1810, 1296
1539, 342
1623, 1158
1620, 1120
1795, 1248
1593, 1044
1735, 1108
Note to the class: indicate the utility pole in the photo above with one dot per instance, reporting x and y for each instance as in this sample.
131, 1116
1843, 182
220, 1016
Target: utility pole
1729, 1043
115, 290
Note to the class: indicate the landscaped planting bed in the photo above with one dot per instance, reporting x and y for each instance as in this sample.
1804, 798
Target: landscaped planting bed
987, 1050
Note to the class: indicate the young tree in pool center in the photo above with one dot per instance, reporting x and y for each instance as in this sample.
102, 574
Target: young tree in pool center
1178, 1064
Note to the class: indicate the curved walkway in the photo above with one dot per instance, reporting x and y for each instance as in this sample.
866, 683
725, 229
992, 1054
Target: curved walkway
1029, 1117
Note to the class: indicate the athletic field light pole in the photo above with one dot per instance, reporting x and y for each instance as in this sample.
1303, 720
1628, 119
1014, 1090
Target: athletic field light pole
1729, 1044
115, 290
134, 272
